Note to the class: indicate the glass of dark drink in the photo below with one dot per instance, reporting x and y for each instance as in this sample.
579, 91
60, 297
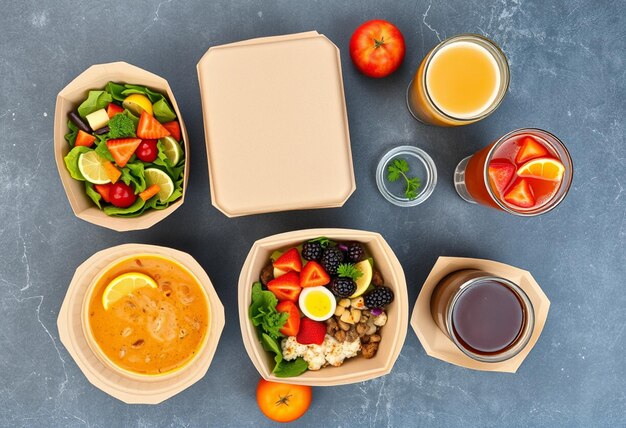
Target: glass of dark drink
489, 318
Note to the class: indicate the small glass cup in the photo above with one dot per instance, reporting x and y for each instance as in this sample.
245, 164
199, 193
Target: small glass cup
471, 177
420, 101
504, 309
421, 165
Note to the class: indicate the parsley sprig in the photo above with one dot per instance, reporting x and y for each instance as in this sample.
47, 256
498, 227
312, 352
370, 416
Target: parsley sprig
399, 168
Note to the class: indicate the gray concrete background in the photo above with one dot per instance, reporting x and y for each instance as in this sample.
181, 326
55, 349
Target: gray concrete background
567, 66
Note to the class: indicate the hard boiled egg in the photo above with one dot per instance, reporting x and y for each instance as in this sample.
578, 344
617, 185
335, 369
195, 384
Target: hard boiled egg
317, 303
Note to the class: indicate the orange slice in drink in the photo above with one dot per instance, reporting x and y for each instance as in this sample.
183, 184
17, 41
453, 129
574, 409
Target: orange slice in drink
542, 168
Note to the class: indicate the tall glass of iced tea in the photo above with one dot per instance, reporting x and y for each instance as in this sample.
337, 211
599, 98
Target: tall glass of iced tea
527, 172
462, 80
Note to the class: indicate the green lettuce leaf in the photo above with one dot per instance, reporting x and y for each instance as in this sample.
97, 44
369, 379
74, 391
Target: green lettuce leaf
71, 162
133, 172
263, 312
95, 101
271, 345
132, 117
137, 89
290, 368
163, 112
102, 149
133, 211
93, 194
70, 137
115, 89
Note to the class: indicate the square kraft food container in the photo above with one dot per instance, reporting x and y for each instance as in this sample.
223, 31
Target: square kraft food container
127, 388
70, 97
438, 345
353, 370
276, 125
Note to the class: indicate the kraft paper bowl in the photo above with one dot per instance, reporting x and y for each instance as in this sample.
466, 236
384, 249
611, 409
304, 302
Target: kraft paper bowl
124, 385
70, 97
353, 370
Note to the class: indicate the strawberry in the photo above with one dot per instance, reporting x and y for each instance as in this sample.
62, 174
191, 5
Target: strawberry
292, 325
84, 139
149, 128
531, 149
289, 261
286, 287
122, 149
174, 129
313, 274
521, 195
311, 332
104, 190
501, 172
113, 109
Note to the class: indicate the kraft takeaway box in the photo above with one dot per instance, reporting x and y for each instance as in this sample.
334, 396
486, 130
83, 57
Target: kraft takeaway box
353, 370
95, 78
127, 388
276, 125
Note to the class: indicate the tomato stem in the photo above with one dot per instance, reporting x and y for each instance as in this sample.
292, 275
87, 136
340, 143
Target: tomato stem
379, 43
283, 400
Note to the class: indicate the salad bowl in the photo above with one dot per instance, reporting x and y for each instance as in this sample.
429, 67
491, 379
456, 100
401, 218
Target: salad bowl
353, 370
96, 77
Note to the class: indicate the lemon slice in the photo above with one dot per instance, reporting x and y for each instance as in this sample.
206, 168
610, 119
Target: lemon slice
165, 183
124, 285
137, 103
91, 166
172, 149
364, 280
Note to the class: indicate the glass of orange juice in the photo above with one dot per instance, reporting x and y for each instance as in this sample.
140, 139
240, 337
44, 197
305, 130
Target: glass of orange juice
461, 81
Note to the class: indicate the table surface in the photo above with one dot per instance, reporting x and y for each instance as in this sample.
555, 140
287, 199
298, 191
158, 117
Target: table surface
567, 67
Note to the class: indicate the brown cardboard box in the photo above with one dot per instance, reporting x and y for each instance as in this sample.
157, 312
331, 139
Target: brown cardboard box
95, 78
435, 341
353, 370
276, 125
123, 388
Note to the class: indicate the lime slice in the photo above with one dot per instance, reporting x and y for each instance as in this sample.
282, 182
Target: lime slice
137, 103
165, 183
91, 166
364, 280
172, 149
124, 285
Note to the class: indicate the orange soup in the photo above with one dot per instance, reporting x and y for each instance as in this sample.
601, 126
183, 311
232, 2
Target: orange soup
151, 330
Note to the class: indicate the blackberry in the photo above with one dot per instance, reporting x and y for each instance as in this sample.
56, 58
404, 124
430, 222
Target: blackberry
356, 252
342, 287
379, 297
311, 250
331, 258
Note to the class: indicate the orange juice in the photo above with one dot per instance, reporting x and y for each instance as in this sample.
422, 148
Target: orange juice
460, 81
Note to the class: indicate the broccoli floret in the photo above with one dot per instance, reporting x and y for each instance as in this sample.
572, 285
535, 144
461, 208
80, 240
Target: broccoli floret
121, 126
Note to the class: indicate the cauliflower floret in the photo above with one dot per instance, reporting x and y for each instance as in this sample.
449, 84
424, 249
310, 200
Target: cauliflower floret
351, 349
337, 352
292, 349
314, 356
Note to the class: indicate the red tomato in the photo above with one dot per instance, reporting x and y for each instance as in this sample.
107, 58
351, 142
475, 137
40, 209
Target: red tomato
122, 195
147, 150
282, 402
377, 48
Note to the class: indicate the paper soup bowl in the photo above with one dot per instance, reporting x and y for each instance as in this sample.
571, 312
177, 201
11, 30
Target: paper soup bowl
97, 350
70, 97
128, 386
355, 369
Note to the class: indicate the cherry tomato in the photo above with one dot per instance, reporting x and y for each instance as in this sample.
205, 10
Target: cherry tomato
122, 195
377, 48
147, 150
282, 402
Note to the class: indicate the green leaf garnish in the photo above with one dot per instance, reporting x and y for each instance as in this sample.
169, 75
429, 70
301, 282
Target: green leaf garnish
121, 126
399, 168
324, 241
348, 270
